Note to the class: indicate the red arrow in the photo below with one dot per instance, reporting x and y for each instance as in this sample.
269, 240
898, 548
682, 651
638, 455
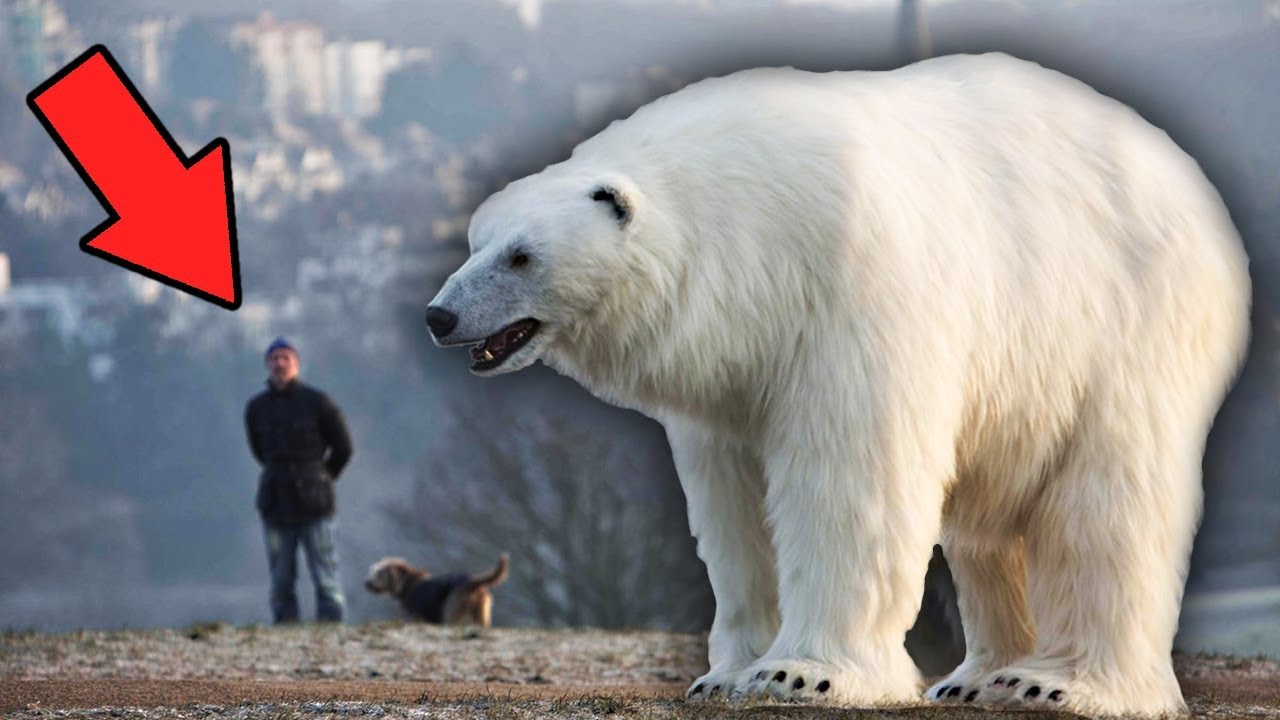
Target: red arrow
171, 218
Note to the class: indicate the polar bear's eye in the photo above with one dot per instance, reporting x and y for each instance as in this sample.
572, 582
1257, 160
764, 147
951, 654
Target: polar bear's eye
519, 259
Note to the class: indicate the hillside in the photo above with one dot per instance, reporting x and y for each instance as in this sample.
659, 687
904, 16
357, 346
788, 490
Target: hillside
410, 670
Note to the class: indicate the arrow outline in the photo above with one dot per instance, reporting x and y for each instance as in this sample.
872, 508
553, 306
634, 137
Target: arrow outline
187, 163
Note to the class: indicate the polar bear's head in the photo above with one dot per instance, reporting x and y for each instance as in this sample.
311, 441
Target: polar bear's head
547, 252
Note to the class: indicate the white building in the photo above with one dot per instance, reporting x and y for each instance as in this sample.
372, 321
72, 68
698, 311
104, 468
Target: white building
318, 172
529, 12
354, 76
305, 52
149, 54
290, 57
31, 305
305, 74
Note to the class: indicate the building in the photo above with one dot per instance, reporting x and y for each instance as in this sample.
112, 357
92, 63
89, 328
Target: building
23, 22
149, 56
354, 76
291, 58
305, 74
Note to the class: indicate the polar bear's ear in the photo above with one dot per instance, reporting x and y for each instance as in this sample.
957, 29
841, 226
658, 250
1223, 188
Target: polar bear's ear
617, 201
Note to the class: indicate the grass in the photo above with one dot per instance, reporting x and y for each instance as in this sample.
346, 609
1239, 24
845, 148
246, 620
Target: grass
504, 665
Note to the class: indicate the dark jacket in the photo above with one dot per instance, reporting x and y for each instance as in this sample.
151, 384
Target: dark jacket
298, 435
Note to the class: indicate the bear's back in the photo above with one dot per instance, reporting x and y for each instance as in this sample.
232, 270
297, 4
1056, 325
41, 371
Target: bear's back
948, 186
957, 91
986, 133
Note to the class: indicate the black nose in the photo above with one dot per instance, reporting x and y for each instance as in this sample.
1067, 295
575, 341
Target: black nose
441, 321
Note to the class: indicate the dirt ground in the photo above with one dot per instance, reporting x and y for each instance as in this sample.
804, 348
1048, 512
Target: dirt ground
419, 671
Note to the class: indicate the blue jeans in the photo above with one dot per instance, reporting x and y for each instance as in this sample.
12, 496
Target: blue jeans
317, 541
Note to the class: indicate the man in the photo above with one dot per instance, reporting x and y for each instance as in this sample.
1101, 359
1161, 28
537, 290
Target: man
298, 435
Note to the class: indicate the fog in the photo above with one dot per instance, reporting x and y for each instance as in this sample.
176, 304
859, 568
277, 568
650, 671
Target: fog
126, 487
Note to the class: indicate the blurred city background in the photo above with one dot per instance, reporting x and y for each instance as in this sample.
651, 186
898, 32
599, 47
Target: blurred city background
362, 135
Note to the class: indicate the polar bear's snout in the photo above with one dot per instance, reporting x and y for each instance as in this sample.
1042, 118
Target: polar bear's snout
441, 322
487, 351
492, 304
496, 348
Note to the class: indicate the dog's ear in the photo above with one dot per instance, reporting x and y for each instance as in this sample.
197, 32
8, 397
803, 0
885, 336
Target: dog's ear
376, 580
397, 578
393, 577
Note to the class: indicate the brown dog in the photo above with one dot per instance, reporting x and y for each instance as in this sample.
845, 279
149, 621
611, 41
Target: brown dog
454, 599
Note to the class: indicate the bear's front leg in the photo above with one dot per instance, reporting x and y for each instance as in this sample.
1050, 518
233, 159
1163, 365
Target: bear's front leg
724, 486
853, 528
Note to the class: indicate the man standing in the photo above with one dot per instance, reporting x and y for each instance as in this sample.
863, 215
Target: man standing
298, 436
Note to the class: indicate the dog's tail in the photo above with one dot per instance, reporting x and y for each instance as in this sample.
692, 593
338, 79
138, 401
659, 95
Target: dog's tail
494, 578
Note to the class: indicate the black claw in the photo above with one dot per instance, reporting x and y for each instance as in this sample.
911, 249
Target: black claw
799, 683
1013, 682
1033, 691
761, 675
999, 681
824, 686
1056, 696
780, 676
972, 694
942, 690
954, 691
697, 689
715, 689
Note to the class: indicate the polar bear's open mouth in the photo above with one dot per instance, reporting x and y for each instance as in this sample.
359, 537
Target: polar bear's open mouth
493, 350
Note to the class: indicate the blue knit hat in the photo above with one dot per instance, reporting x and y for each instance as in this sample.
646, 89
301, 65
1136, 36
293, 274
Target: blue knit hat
280, 344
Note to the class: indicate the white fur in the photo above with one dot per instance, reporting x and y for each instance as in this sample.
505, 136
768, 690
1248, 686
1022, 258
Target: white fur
969, 300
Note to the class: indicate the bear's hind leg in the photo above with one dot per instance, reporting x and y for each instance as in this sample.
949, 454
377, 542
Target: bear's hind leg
1107, 549
991, 588
724, 488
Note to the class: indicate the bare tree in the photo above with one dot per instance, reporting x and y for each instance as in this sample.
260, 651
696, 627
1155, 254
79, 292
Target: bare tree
596, 529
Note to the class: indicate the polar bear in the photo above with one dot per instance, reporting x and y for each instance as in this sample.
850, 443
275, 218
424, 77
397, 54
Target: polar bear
969, 301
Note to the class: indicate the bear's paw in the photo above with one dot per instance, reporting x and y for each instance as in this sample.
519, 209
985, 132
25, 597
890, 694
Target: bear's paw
816, 683
964, 685
790, 681
1026, 687
715, 685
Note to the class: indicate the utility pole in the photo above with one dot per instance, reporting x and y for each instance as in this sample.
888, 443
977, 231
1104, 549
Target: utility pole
913, 32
